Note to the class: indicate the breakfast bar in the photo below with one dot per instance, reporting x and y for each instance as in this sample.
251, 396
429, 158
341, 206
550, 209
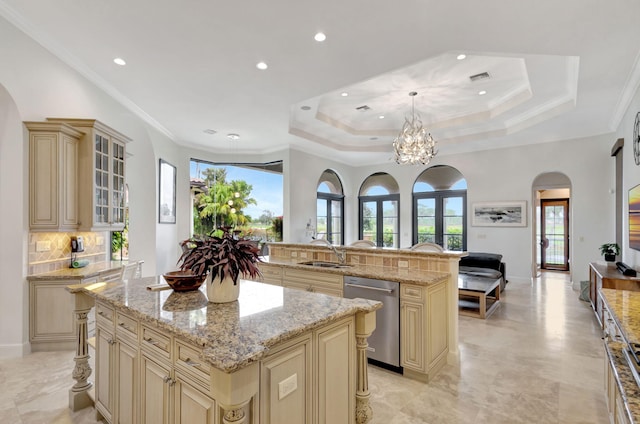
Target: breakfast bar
275, 355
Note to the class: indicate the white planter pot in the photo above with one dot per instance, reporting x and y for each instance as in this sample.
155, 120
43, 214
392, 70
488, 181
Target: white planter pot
222, 292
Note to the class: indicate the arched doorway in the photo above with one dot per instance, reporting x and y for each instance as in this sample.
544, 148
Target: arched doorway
552, 224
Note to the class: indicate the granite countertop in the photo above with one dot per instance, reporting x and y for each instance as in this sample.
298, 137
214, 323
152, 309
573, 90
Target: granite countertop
626, 383
401, 275
233, 335
88, 271
625, 306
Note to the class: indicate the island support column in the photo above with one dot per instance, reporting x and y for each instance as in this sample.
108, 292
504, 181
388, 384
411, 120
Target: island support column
235, 392
365, 324
79, 393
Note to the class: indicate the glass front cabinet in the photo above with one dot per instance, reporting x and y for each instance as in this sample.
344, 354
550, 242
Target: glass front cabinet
101, 165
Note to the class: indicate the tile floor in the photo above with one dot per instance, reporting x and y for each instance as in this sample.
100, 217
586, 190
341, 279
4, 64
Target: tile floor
537, 359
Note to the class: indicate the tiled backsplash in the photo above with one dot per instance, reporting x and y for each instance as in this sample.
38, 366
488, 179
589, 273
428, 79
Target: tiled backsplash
55, 250
392, 258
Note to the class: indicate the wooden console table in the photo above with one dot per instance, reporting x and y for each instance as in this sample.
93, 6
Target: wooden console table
601, 276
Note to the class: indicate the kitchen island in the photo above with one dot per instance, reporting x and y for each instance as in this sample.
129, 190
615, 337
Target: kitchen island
277, 355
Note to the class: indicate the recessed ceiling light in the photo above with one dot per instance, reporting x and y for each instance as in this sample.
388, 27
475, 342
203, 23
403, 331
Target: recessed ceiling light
305, 107
381, 117
461, 56
119, 61
233, 136
320, 37
344, 94
261, 65
482, 92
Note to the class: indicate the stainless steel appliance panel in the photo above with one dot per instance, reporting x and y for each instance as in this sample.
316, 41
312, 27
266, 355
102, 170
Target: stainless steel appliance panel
384, 342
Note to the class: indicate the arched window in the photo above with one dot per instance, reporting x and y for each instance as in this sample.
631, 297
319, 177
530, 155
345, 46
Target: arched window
440, 208
330, 208
379, 200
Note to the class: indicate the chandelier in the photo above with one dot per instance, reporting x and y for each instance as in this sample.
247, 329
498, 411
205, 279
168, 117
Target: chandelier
414, 145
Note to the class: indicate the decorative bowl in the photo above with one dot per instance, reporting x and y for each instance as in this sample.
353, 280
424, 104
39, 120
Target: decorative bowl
184, 280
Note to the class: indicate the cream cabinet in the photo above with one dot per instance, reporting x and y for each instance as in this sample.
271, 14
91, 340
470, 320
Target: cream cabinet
271, 274
101, 167
117, 362
288, 366
313, 281
53, 176
423, 329
51, 317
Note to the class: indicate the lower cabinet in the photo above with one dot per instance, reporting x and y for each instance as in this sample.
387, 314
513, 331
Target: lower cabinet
423, 329
161, 379
116, 366
615, 403
313, 281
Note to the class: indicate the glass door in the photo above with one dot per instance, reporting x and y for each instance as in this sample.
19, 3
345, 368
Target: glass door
554, 244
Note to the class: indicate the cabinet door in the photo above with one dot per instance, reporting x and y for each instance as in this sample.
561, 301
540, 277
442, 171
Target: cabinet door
105, 366
117, 188
191, 405
101, 180
127, 387
412, 335
155, 389
51, 317
285, 386
437, 320
336, 376
53, 177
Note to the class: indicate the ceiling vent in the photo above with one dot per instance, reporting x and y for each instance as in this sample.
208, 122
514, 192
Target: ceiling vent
209, 131
363, 108
479, 77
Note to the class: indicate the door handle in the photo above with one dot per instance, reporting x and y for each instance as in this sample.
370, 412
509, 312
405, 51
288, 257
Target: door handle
359, 286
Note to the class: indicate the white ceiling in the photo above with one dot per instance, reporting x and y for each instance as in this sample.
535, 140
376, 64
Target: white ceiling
558, 70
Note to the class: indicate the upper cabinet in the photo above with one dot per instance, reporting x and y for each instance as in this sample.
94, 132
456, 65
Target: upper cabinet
94, 182
53, 176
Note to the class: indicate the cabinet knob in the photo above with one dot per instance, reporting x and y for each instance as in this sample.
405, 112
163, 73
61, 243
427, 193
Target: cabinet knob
111, 341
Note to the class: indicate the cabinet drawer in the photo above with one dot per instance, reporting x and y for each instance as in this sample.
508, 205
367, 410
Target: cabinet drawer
155, 342
271, 271
411, 292
314, 277
126, 326
188, 360
104, 314
111, 275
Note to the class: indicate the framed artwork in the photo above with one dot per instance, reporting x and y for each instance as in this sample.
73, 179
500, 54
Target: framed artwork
167, 193
499, 214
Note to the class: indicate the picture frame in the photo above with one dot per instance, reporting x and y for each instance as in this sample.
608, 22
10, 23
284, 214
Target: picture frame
499, 214
166, 193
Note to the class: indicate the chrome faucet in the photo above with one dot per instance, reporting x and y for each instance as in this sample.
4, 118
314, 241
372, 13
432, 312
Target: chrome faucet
340, 254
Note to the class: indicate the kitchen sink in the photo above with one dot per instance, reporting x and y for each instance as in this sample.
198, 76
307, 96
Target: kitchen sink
324, 264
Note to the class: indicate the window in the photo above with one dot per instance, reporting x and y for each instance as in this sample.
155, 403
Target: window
379, 200
439, 208
330, 208
245, 196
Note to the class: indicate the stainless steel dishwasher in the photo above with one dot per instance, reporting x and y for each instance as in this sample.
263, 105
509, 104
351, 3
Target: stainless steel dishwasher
384, 343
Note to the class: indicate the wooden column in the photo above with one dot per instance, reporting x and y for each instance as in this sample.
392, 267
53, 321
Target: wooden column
78, 394
235, 392
365, 324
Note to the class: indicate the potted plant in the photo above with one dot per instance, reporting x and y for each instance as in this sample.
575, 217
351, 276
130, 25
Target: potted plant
610, 251
224, 257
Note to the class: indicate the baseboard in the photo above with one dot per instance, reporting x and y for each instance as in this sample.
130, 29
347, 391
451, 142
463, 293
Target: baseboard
14, 350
